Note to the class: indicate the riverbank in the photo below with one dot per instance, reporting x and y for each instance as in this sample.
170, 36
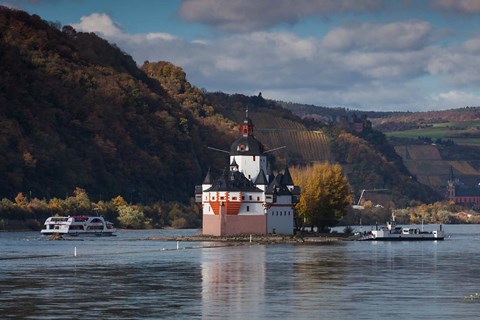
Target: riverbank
256, 239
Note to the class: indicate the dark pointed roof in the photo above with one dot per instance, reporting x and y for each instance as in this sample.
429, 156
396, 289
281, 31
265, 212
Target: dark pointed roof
232, 181
247, 145
451, 177
234, 163
287, 178
277, 187
208, 178
261, 179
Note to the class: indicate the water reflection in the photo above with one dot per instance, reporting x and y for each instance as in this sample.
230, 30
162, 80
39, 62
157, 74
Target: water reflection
233, 282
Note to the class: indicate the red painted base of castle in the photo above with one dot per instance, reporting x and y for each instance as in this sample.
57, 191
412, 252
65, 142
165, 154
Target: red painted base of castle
227, 225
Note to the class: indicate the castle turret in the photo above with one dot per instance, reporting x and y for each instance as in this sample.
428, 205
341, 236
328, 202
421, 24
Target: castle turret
248, 152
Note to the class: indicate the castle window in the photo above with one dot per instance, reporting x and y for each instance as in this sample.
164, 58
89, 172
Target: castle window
253, 158
258, 198
234, 198
249, 197
248, 208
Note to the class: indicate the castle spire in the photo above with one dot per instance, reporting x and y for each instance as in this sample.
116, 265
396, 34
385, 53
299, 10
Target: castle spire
246, 128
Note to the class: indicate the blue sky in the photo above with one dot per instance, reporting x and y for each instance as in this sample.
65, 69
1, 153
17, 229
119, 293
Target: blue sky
365, 54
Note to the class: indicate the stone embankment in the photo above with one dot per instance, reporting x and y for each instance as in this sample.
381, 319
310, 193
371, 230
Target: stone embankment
253, 239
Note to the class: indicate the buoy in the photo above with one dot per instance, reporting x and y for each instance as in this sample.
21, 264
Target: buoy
250, 238
75, 252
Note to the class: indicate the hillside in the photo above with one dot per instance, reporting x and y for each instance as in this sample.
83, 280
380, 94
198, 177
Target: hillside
276, 127
76, 111
331, 114
431, 164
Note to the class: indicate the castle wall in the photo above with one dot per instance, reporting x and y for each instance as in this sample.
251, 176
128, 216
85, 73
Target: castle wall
280, 219
233, 225
250, 165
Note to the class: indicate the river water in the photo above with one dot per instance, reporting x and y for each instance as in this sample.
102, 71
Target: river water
129, 277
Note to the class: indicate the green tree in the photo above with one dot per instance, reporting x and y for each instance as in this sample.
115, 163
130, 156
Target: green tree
131, 217
79, 203
325, 195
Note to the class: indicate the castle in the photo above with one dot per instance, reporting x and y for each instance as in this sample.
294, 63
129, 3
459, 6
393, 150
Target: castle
247, 198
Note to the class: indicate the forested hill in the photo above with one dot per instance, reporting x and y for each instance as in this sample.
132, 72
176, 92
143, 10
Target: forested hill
76, 111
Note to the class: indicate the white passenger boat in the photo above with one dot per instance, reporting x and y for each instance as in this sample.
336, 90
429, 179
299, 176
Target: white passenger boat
78, 225
391, 232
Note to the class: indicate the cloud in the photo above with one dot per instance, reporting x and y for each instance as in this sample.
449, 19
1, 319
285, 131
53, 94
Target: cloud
34, 2
458, 65
362, 69
458, 6
373, 37
455, 98
249, 15
99, 23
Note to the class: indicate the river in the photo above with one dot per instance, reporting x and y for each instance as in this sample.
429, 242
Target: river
129, 277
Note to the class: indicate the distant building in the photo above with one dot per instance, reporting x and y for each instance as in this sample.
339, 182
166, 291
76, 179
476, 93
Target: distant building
354, 123
247, 198
458, 192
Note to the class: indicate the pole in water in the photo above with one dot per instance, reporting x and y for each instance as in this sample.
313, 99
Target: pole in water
75, 251
250, 238
177, 245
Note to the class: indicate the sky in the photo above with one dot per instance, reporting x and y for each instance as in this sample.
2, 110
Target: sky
385, 55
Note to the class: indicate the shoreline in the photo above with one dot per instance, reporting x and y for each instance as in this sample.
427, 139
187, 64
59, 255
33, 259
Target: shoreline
254, 239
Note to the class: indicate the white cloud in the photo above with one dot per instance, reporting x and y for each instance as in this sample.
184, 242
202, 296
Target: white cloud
456, 98
473, 46
248, 15
160, 36
458, 6
372, 74
459, 65
100, 23
374, 37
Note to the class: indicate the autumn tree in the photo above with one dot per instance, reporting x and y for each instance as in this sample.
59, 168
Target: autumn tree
131, 217
79, 203
325, 195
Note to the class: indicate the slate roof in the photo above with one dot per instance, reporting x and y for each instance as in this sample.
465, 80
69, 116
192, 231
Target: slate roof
277, 187
467, 191
233, 181
208, 178
261, 179
287, 178
247, 145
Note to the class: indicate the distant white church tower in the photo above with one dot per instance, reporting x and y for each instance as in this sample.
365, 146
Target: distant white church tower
246, 198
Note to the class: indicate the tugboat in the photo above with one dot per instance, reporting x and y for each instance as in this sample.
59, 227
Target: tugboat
391, 232
78, 225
